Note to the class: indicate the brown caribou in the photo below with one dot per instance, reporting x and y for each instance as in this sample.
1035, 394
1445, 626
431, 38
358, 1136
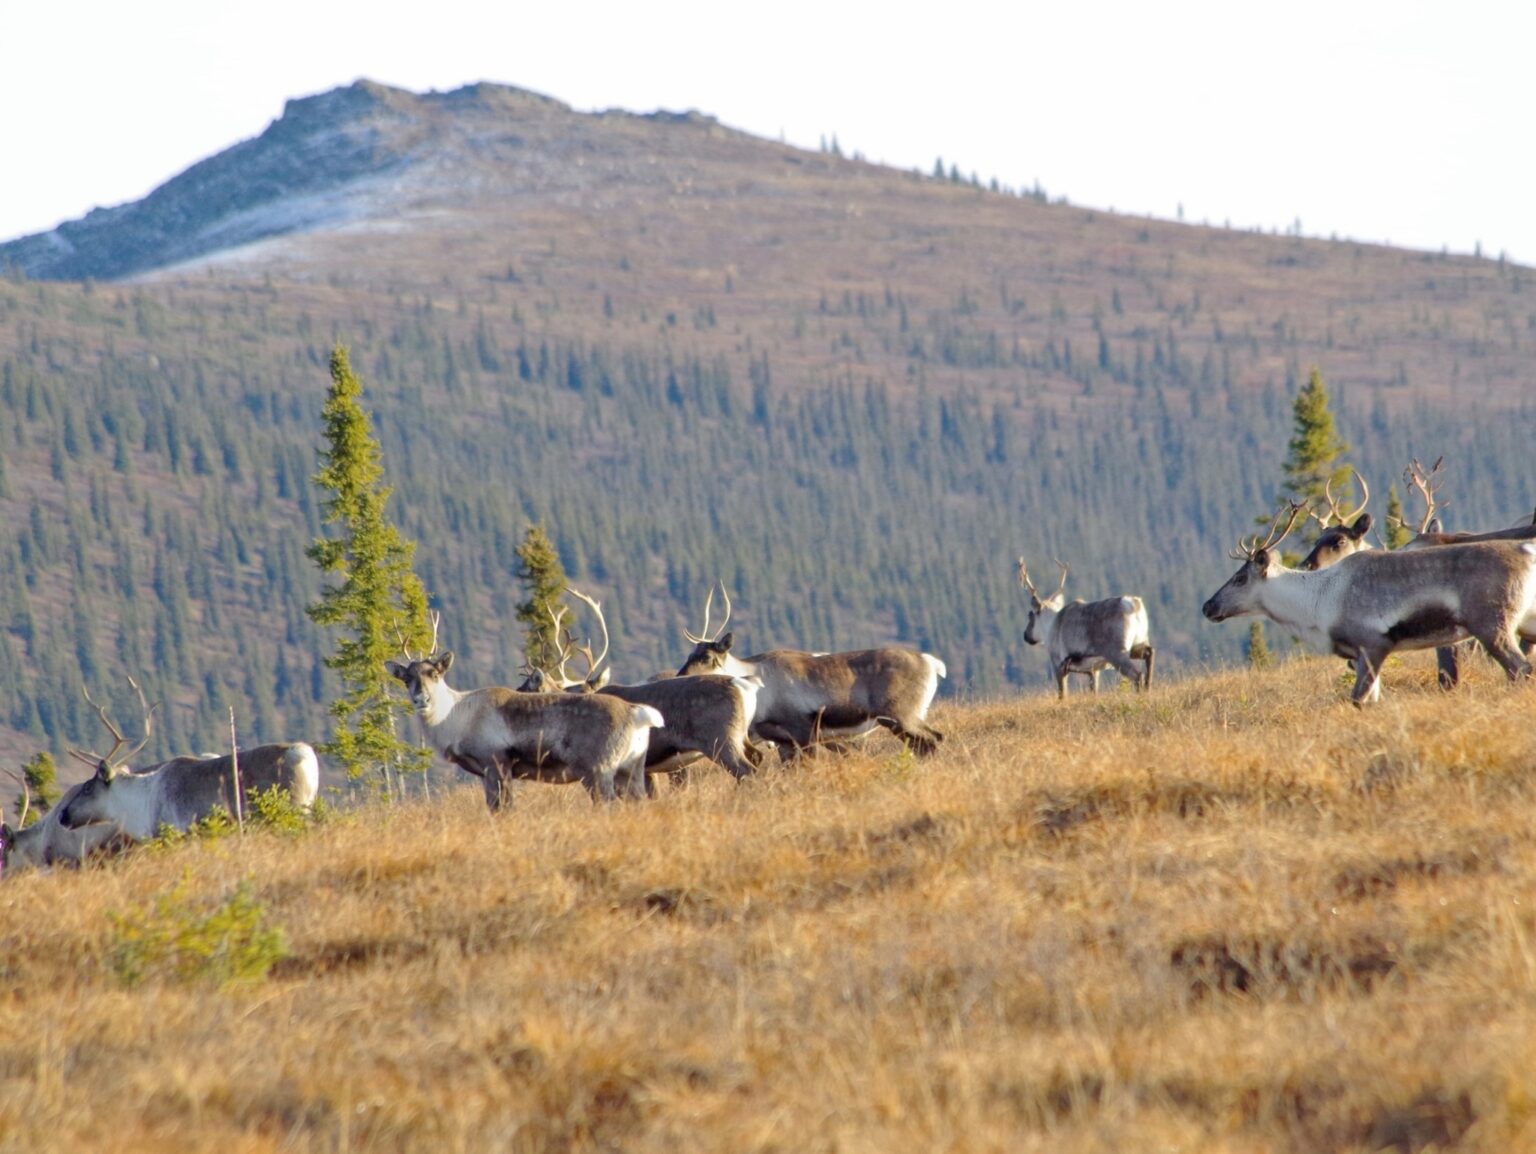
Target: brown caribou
707, 716
812, 698
499, 734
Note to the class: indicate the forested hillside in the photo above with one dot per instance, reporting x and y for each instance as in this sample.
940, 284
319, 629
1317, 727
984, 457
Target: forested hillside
853, 394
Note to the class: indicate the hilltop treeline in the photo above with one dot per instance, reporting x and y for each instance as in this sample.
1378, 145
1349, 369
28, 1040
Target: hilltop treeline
156, 447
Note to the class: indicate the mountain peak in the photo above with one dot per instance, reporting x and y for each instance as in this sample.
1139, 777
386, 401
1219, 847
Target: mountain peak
316, 166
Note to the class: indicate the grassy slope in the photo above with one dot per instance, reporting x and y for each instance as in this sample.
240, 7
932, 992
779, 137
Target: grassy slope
1234, 915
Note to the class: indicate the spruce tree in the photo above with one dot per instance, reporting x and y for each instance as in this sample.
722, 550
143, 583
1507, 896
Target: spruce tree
544, 580
1316, 451
42, 786
1257, 648
1397, 532
380, 604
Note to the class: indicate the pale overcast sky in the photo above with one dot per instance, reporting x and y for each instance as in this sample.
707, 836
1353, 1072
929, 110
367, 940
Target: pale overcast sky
1405, 122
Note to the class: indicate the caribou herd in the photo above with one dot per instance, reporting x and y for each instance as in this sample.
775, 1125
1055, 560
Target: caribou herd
1344, 597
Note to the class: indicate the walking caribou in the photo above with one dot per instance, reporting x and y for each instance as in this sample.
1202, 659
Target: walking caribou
499, 734
706, 716
1088, 636
1343, 536
813, 698
1378, 602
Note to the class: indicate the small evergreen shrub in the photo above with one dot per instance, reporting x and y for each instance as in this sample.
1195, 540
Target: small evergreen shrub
175, 939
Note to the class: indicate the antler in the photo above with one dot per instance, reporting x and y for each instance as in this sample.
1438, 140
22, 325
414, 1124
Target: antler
26, 797
1248, 546
1335, 515
1025, 581
118, 740
566, 643
436, 619
704, 637
1426, 483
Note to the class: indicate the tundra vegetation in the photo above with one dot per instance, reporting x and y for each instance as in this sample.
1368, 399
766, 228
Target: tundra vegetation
1233, 915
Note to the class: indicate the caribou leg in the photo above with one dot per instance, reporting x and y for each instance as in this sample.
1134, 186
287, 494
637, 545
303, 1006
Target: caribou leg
1448, 666
600, 784
921, 739
1367, 676
1128, 669
1059, 672
1505, 649
734, 757
497, 779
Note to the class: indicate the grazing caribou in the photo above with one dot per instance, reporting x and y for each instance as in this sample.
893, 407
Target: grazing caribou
703, 717
814, 698
47, 842
1338, 541
1377, 602
499, 734
1088, 636
185, 790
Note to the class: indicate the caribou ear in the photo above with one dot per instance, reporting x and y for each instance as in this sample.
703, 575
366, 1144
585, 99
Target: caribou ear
1360, 528
396, 670
1260, 560
723, 642
600, 680
443, 661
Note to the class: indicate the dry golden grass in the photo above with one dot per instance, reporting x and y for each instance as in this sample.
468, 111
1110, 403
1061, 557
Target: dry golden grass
1234, 915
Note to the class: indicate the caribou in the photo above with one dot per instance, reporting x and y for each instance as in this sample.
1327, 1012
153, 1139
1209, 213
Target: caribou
184, 790
706, 716
808, 699
1340, 539
499, 734
48, 842
1378, 602
1343, 534
1088, 636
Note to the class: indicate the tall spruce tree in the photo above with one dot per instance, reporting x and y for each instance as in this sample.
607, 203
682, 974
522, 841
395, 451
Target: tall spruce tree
544, 581
380, 602
1316, 452
1313, 463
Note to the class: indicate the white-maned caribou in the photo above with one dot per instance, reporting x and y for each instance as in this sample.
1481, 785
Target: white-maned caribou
1089, 636
1375, 603
499, 734
808, 699
1344, 536
184, 790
